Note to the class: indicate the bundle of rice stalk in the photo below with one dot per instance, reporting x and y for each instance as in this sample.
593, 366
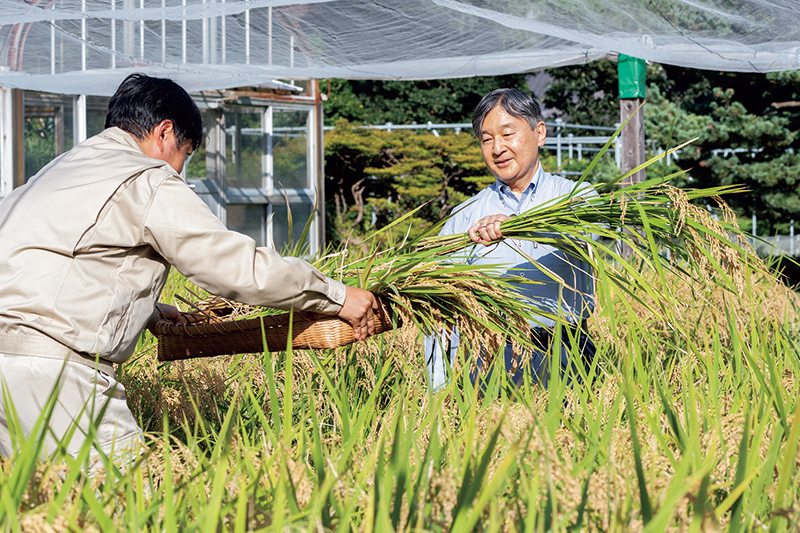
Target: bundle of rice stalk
428, 291
659, 222
415, 290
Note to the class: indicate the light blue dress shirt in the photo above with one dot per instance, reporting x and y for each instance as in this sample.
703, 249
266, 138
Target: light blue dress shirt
514, 257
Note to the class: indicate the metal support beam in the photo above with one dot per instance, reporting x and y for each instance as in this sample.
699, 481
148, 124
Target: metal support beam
79, 119
12, 155
318, 160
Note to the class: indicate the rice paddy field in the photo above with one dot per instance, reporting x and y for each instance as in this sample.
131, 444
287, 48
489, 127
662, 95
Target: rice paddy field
689, 420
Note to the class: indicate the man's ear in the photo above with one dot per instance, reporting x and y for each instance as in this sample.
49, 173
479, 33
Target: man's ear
162, 133
541, 133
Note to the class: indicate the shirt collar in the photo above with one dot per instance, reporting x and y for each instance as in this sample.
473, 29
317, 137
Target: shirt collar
121, 136
503, 189
129, 141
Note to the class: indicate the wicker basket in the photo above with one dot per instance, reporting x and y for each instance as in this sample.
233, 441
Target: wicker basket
199, 338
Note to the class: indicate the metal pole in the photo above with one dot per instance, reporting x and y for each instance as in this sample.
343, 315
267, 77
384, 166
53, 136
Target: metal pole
558, 142
113, 36
79, 118
269, 34
318, 150
128, 30
247, 35
141, 32
223, 36
205, 38
83, 36
268, 129
53, 44
212, 38
569, 137
183, 31
12, 155
163, 35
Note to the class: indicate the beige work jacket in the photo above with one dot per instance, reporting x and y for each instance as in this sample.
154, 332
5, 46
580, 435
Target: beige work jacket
86, 245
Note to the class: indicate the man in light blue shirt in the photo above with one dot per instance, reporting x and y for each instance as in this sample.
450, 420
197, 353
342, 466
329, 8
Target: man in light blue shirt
509, 126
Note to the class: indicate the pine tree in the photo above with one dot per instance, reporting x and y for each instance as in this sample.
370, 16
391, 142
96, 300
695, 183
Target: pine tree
746, 134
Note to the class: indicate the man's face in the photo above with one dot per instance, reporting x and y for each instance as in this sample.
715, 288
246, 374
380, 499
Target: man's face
510, 148
176, 155
162, 144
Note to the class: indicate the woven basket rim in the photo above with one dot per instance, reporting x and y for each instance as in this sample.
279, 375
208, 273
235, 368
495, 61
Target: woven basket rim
194, 328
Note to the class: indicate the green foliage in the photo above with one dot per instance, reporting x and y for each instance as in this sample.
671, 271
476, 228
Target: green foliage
406, 102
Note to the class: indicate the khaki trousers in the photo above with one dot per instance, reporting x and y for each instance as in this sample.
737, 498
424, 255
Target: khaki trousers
82, 395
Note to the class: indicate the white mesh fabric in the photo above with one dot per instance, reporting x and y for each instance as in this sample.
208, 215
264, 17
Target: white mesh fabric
88, 46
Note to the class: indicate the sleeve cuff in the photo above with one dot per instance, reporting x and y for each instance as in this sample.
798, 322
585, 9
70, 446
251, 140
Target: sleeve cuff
336, 291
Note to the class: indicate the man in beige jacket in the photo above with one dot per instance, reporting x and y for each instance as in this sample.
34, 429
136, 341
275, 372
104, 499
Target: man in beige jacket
85, 249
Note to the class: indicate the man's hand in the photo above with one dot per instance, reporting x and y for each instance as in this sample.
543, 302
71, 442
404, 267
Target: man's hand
487, 230
359, 310
167, 312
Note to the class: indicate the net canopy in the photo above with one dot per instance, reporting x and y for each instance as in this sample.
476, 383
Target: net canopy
88, 46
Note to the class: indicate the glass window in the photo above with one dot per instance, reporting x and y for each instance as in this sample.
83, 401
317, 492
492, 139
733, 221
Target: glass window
248, 219
244, 149
280, 224
40, 140
48, 129
259, 141
290, 149
96, 110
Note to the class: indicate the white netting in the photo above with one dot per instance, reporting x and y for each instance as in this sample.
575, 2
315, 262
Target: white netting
87, 46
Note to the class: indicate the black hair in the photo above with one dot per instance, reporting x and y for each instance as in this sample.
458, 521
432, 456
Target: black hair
515, 102
142, 102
